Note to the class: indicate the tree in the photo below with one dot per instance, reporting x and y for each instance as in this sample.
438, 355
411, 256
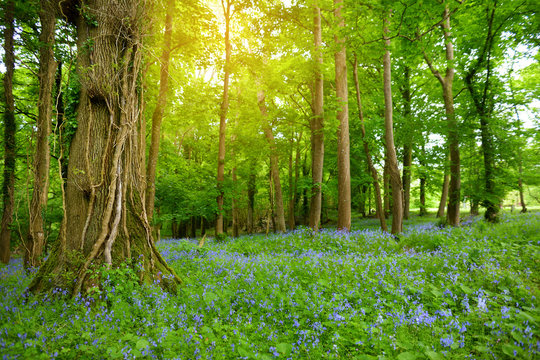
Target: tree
47, 68
274, 163
227, 13
344, 166
454, 188
8, 186
317, 123
391, 157
157, 116
104, 218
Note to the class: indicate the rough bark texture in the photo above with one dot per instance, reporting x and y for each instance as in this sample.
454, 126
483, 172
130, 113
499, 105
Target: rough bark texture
393, 170
157, 116
371, 166
47, 67
343, 150
317, 125
8, 186
104, 217
223, 116
454, 189
274, 164
407, 147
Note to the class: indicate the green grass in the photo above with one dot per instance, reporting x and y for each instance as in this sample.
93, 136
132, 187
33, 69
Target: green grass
465, 293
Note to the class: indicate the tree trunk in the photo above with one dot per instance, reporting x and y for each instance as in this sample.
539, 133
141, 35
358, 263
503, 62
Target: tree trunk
235, 226
47, 67
251, 191
292, 188
483, 104
317, 125
407, 147
371, 167
386, 188
423, 180
274, 164
393, 171
105, 222
8, 187
157, 116
343, 150
223, 117
454, 190
444, 195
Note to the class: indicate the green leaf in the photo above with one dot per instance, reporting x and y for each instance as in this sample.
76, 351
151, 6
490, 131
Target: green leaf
284, 348
481, 349
509, 349
466, 289
433, 355
407, 355
142, 344
323, 282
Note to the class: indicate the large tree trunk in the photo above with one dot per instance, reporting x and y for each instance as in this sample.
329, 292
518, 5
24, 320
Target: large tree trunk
454, 190
407, 147
317, 125
274, 164
157, 116
105, 220
8, 187
47, 67
223, 116
343, 150
371, 166
393, 171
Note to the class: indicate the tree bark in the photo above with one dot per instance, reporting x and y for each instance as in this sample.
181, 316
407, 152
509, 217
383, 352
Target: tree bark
343, 150
454, 190
157, 116
47, 67
444, 195
274, 164
317, 124
393, 171
423, 180
407, 147
105, 220
226, 4
8, 187
235, 225
371, 166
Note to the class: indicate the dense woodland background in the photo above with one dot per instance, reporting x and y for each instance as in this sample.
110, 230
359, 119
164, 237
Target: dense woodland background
464, 77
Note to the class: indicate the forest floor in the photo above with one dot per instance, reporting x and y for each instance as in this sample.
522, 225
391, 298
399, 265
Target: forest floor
439, 293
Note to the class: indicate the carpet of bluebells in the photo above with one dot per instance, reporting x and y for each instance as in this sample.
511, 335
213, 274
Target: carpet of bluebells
437, 293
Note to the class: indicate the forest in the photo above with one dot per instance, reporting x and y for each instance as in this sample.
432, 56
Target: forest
259, 179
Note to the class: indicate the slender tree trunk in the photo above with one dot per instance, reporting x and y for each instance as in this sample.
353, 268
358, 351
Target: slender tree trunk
393, 171
343, 150
423, 180
454, 190
292, 188
317, 125
274, 164
104, 220
223, 116
47, 67
444, 195
386, 188
483, 104
235, 226
157, 116
407, 147
251, 191
371, 167
8, 187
